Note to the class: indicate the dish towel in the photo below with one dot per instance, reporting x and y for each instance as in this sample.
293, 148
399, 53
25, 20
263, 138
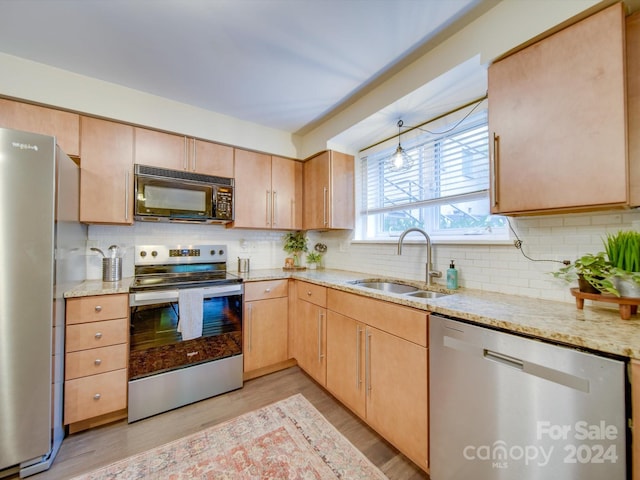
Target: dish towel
190, 306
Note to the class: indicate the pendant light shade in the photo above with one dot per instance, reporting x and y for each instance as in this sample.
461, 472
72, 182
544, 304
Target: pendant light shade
400, 160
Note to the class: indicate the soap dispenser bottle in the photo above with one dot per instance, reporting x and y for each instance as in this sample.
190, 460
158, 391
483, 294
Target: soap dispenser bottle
452, 277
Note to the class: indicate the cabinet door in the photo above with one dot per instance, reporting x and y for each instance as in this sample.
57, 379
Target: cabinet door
557, 120
346, 361
265, 338
211, 158
396, 385
311, 340
65, 126
316, 192
329, 192
106, 172
341, 194
159, 149
286, 185
252, 172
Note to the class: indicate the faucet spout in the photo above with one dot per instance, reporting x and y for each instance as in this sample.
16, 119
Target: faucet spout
428, 272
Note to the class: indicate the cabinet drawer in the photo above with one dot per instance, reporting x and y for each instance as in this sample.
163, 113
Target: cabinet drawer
95, 361
97, 308
265, 290
96, 334
96, 395
310, 292
404, 322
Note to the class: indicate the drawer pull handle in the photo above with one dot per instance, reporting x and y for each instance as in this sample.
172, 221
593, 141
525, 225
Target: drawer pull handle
98, 335
97, 396
98, 308
97, 361
267, 290
309, 293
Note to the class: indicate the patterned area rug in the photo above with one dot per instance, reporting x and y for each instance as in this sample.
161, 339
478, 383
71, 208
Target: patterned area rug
289, 439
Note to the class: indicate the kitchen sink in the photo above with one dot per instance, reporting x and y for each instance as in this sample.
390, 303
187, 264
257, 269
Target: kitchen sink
426, 294
389, 287
397, 287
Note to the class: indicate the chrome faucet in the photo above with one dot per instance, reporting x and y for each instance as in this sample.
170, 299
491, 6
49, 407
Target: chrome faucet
429, 273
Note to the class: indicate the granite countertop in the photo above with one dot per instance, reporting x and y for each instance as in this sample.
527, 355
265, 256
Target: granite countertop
598, 327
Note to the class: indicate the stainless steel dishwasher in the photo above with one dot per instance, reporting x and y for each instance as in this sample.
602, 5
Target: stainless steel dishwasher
504, 406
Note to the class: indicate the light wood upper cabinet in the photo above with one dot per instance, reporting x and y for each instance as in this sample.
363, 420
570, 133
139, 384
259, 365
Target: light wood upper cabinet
159, 149
558, 122
286, 192
328, 192
633, 106
106, 172
65, 126
177, 152
211, 158
267, 191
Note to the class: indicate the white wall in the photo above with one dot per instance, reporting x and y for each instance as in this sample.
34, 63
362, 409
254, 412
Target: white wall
497, 268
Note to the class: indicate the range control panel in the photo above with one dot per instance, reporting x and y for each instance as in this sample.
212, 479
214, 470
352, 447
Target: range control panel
177, 254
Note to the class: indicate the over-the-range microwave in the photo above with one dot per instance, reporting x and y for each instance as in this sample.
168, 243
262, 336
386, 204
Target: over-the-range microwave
163, 195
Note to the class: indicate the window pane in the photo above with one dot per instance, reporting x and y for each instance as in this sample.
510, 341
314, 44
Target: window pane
441, 185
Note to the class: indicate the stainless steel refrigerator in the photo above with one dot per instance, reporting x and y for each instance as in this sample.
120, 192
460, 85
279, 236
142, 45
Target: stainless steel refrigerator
42, 248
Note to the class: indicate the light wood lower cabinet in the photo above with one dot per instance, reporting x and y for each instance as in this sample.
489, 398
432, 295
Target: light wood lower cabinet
97, 333
376, 364
310, 330
265, 324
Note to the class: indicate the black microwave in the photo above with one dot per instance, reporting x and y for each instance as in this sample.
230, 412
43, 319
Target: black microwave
163, 195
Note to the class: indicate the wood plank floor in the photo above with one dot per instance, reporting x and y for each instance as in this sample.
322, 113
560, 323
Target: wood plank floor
100, 446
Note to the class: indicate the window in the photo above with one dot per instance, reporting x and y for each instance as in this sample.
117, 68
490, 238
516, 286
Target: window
444, 190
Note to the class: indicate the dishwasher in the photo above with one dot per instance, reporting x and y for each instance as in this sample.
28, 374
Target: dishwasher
510, 407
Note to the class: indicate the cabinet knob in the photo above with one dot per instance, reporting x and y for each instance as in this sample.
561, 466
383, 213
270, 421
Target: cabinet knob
98, 308
98, 335
267, 290
97, 361
309, 293
97, 396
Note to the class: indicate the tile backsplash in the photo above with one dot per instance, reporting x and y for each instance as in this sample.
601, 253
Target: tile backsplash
498, 268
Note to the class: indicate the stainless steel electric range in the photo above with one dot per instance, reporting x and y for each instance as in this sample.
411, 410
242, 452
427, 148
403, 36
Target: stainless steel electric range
169, 368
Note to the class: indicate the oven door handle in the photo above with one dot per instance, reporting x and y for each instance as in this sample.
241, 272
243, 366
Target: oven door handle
164, 296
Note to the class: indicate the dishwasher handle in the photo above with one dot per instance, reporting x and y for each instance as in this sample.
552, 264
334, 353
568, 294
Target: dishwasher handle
503, 359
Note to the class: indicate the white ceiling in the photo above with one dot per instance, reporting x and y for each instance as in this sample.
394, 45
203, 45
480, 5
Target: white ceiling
286, 64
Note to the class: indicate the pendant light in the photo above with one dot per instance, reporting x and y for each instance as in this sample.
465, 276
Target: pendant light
400, 160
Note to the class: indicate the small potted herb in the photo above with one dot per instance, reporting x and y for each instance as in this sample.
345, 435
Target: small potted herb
623, 252
593, 272
295, 243
314, 259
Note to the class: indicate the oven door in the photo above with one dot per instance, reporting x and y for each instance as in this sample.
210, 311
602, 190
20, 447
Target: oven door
157, 347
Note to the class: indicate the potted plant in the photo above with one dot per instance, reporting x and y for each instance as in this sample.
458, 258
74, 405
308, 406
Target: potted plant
591, 270
295, 243
314, 259
623, 251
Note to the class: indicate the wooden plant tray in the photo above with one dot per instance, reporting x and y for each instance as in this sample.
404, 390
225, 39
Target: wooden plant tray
293, 269
628, 305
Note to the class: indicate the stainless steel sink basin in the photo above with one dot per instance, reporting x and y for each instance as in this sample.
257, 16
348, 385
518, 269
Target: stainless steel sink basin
388, 287
426, 294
